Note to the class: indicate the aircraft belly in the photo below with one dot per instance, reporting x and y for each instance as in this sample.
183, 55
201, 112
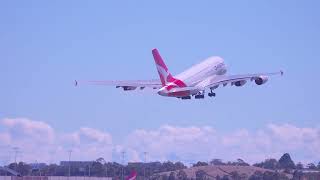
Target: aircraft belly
183, 92
179, 93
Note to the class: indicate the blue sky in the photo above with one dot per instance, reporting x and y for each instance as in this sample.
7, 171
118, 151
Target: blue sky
45, 45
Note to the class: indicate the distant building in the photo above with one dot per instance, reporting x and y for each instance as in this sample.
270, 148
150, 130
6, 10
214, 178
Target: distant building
8, 171
310, 171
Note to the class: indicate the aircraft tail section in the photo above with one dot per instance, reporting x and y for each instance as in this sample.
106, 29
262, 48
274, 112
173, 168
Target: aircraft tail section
132, 176
165, 76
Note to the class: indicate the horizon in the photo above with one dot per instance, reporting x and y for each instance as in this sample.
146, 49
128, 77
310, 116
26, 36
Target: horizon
187, 164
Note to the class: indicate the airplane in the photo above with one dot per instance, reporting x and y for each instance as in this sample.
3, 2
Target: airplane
132, 176
207, 75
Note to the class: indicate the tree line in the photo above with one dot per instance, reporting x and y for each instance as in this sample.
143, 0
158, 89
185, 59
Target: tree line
152, 170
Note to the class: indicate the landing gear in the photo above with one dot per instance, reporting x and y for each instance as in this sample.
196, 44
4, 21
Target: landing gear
211, 94
186, 97
199, 96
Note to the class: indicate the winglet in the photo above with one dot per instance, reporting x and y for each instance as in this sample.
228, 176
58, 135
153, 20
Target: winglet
281, 72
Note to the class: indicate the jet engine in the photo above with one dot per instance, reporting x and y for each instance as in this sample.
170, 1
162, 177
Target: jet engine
129, 88
240, 83
261, 80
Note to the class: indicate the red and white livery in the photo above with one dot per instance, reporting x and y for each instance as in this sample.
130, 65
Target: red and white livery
132, 176
207, 75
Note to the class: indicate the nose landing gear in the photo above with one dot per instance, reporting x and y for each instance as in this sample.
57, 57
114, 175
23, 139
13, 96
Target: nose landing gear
200, 95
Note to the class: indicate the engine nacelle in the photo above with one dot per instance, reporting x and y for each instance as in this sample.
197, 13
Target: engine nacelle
261, 80
129, 88
240, 83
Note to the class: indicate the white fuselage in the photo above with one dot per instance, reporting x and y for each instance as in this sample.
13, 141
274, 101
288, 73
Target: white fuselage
195, 81
194, 76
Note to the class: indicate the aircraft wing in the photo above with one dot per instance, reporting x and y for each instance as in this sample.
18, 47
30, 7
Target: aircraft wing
126, 85
237, 80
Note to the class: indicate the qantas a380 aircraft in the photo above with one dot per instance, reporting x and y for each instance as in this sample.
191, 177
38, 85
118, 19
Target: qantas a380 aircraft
208, 75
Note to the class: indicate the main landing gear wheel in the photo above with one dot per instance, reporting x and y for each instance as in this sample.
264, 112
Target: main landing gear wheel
186, 97
199, 96
211, 94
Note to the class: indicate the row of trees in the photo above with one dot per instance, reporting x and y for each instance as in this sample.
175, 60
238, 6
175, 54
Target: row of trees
258, 175
219, 162
101, 168
98, 168
202, 175
286, 163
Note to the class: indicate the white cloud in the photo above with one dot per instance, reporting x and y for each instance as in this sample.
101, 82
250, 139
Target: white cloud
39, 141
203, 143
89, 144
4, 138
22, 129
170, 142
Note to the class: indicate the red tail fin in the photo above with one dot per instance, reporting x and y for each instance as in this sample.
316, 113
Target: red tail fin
132, 176
165, 75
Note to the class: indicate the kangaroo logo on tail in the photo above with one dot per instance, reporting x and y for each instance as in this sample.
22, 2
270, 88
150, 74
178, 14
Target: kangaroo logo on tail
165, 76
